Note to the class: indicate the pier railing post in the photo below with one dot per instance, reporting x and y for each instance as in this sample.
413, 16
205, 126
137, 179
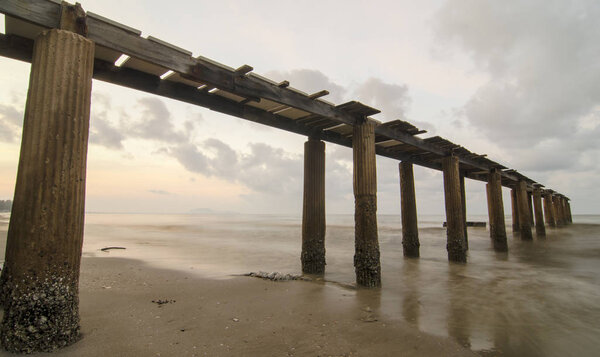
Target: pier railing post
40, 279
524, 220
313, 212
540, 228
496, 211
410, 232
366, 257
516, 227
455, 232
548, 210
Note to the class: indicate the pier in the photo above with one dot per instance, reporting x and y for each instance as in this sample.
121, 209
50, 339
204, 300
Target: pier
68, 47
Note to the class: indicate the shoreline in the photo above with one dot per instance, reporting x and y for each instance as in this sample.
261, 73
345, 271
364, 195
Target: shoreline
239, 316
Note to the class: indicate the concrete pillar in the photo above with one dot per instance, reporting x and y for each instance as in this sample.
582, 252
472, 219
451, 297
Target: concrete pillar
489, 207
548, 210
529, 199
496, 211
564, 208
569, 215
366, 256
540, 228
563, 215
516, 227
463, 199
410, 232
40, 279
313, 212
524, 220
455, 231
557, 211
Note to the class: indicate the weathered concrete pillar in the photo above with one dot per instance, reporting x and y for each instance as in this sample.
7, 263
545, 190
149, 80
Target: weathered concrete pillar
455, 231
563, 206
563, 215
549, 210
366, 256
516, 227
569, 215
540, 228
524, 220
558, 211
529, 199
496, 211
489, 206
313, 212
463, 199
40, 279
410, 231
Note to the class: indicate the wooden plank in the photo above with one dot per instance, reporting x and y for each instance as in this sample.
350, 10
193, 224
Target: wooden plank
39, 12
319, 94
15, 26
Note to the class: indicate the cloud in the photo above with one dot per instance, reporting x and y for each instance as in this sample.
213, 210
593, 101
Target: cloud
310, 81
155, 123
11, 122
541, 59
391, 99
264, 169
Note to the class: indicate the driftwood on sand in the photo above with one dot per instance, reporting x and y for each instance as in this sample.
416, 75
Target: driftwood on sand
106, 249
276, 276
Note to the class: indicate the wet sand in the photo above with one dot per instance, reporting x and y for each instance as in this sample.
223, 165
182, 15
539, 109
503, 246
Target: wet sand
240, 316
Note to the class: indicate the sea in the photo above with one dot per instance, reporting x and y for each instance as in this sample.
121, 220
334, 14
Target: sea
542, 298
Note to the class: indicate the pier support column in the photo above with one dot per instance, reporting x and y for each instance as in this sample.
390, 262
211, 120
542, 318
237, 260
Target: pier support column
455, 231
569, 215
496, 211
489, 207
563, 214
524, 220
557, 211
463, 199
548, 210
529, 199
410, 231
366, 243
540, 228
516, 227
40, 279
313, 212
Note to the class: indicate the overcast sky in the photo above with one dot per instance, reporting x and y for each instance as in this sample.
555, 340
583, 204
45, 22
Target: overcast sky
517, 80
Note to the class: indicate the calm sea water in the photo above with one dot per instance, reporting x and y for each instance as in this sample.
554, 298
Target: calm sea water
540, 299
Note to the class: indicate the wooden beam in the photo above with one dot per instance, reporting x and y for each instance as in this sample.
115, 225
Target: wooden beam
319, 94
242, 70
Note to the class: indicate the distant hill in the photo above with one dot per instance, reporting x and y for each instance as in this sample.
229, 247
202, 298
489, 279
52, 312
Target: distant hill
5, 205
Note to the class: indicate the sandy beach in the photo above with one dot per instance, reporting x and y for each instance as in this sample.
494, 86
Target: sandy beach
240, 316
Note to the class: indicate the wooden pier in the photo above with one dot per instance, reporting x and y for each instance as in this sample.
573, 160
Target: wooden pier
67, 47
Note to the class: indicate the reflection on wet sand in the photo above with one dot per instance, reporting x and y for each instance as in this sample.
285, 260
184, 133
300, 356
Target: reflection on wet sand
457, 320
410, 301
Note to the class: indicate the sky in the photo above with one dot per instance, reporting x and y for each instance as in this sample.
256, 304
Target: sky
517, 80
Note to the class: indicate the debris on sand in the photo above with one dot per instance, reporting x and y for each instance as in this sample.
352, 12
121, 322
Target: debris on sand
276, 276
160, 303
106, 249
